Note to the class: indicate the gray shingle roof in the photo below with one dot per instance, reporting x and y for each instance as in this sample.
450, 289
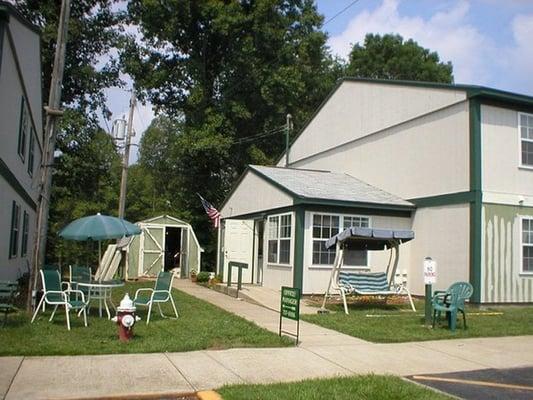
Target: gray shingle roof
326, 185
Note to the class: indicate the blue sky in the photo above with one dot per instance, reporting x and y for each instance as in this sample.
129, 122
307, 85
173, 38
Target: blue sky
489, 42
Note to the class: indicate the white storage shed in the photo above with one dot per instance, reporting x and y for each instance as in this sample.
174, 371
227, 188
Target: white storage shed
165, 243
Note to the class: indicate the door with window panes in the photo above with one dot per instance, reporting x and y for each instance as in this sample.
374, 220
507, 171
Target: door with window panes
328, 225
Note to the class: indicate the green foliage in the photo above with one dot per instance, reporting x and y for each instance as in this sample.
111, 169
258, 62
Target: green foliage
202, 277
341, 388
86, 181
86, 177
94, 30
390, 57
228, 70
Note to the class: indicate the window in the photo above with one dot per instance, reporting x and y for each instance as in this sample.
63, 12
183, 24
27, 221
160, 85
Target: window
31, 151
25, 227
279, 239
326, 226
350, 221
527, 245
23, 129
526, 139
14, 238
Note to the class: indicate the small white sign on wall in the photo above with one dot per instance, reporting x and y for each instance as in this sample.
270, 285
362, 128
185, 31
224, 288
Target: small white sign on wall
430, 271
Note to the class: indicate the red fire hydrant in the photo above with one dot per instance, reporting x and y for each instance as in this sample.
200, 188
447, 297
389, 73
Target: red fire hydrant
126, 318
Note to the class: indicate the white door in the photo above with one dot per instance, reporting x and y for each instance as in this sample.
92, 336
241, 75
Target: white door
152, 249
238, 246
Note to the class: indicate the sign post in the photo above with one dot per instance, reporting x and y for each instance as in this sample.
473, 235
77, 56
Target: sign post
290, 308
430, 278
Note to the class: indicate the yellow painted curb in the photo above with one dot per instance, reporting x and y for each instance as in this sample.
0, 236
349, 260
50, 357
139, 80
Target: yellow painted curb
208, 395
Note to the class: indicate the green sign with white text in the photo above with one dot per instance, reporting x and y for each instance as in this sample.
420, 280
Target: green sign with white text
290, 303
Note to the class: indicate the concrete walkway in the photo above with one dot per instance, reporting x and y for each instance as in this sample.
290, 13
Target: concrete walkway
269, 298
323, 353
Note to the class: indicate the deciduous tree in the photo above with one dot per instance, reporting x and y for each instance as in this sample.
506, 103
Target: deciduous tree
390, 57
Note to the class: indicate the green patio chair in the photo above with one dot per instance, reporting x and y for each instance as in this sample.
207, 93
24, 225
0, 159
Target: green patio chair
80, 274
55, 296
8, 292
452, 301
54, 267
161, 293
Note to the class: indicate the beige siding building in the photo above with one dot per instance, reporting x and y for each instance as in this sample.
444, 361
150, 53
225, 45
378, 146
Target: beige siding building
21, 136
461, 156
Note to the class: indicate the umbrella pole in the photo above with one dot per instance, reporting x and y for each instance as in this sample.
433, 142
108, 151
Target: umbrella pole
99, 253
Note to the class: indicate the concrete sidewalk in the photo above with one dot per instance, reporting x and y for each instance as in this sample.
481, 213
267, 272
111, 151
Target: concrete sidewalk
323, 353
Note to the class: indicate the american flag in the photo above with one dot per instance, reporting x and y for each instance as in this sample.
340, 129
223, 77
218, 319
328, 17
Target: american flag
211, 211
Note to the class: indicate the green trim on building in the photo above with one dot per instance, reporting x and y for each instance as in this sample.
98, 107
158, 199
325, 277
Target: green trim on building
353, 204
12, 180
447, 199
358, 211
300, 200
299, 235
519, 107
262, 214
476, 206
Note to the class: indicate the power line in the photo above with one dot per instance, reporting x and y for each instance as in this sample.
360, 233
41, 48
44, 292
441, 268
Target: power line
340, 12
260, 135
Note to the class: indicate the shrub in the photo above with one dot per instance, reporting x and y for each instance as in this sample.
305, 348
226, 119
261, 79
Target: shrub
202, 277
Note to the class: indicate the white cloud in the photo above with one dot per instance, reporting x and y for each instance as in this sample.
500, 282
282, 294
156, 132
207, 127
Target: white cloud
517, 63
446, 32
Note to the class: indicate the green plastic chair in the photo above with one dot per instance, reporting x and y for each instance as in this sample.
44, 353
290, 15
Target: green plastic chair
452, 301
80, 274
54, 267
54, 295
8, 292
161, 293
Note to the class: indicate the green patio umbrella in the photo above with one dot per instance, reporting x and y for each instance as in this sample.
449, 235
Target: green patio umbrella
98, 227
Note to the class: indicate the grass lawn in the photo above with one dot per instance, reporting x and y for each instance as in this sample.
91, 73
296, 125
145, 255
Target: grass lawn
384, 323
200, 325
350, 388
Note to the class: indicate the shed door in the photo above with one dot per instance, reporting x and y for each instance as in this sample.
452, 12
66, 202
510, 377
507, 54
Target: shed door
238, 246
152, 249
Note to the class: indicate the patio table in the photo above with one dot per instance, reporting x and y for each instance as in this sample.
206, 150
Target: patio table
101, 291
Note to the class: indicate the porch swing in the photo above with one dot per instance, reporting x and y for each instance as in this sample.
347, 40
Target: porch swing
366, 283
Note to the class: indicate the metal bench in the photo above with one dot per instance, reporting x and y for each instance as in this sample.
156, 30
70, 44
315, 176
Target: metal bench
8, 292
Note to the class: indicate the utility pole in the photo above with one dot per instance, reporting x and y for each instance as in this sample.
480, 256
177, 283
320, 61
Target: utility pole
53, 113
288, 130
126, 160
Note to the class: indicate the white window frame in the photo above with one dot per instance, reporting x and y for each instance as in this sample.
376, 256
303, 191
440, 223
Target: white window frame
24, 127
25, 232
520, 140
522, 244
279, 238
14, 236
341, 228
